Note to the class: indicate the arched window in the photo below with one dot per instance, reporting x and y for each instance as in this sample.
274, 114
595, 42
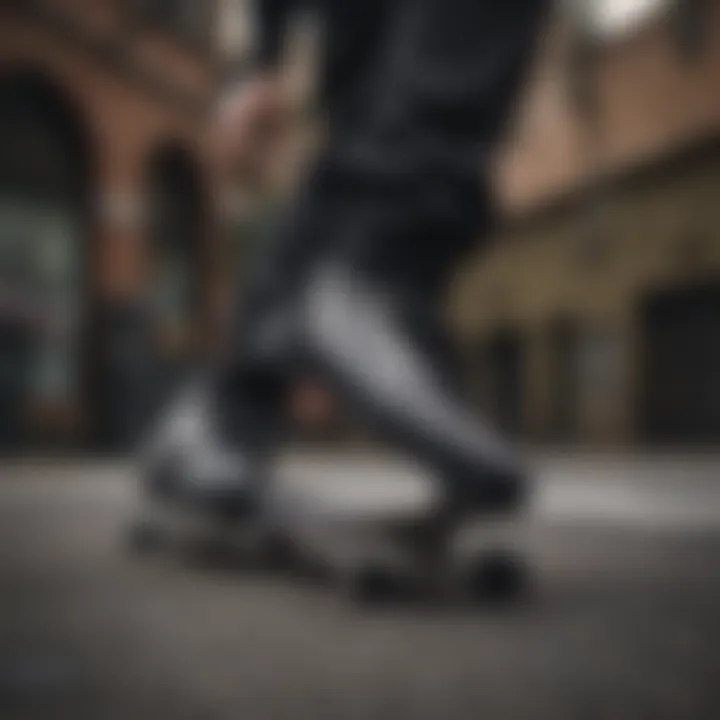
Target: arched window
43, 224
175, 234
176, 227
503, 358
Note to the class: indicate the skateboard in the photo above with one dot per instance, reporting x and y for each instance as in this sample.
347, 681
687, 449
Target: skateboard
374, 540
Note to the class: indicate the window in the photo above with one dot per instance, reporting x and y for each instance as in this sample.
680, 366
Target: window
39, 277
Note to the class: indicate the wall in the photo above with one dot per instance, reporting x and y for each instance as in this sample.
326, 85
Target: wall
135, 92
595, 267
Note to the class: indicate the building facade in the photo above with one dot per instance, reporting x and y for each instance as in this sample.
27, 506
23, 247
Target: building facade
594, 316
103, 203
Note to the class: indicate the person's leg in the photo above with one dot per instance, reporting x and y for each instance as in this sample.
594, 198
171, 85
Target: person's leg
256, 370
411, 208
402, 185
383, 352
248, 385
217, 438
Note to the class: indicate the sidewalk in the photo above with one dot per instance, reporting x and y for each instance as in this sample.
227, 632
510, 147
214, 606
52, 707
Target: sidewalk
642, 490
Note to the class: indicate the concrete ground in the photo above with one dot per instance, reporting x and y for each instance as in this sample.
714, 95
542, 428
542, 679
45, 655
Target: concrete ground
624, 623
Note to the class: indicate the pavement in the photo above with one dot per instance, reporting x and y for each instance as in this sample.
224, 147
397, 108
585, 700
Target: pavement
623, 622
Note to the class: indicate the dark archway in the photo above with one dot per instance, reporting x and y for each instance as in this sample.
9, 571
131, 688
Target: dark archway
503, 363
177, 220
680, 373
565, 367
45, 221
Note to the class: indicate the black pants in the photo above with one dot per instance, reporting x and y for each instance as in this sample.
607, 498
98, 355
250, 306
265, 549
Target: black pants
400, 191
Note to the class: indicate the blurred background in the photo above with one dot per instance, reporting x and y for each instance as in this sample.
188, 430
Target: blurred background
593, 320
589, 327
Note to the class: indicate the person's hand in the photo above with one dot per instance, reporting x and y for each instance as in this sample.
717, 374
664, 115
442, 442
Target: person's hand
247, 129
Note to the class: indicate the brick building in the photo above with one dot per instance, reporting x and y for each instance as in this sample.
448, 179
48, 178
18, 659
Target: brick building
102, 203
595, 317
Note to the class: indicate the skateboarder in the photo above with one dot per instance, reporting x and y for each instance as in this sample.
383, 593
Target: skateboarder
351, 286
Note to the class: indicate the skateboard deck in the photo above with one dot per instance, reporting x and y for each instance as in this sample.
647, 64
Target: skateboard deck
359, 525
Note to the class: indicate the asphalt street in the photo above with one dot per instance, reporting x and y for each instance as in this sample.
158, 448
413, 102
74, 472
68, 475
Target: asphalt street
623, 622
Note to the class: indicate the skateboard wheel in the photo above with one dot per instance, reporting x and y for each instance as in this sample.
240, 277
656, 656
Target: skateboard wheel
499, 578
